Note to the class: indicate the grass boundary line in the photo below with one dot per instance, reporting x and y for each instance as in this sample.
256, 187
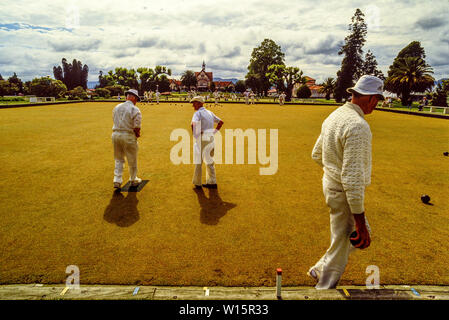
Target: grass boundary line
23, 105
413, 113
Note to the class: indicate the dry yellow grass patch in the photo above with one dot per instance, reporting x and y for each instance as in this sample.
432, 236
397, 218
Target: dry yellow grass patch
58, 208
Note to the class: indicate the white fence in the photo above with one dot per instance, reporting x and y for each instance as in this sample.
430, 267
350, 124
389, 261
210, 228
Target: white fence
434, 109
42, 99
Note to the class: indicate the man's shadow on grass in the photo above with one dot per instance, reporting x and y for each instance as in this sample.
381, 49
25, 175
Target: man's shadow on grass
212, 208
122, 211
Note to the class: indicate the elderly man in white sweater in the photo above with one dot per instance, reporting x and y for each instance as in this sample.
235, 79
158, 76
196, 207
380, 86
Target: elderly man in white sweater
203, 131
127, 120
343, 149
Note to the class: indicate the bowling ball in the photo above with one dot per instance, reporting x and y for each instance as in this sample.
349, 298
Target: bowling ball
353, 235
425, 198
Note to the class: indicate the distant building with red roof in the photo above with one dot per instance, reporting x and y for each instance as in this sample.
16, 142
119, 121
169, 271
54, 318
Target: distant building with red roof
204, 79
314, 88
224, 85
176, 85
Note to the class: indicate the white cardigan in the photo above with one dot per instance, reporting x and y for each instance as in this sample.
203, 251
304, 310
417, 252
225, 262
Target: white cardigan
343, 149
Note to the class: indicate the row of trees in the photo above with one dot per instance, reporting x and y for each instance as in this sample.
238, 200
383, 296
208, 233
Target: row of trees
144, 79
12, 86
67, 77
408, 73
44, 86
267, 68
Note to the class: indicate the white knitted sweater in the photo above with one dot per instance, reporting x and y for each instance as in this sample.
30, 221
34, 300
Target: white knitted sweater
343, 149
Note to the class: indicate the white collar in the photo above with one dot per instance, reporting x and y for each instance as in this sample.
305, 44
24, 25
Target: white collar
356, 108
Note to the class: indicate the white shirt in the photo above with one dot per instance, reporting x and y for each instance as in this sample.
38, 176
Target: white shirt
126, 117
158, 94
343, 149
203, 121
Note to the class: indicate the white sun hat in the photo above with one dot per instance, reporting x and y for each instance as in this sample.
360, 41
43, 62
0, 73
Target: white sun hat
197, 98
368, 85
133, 92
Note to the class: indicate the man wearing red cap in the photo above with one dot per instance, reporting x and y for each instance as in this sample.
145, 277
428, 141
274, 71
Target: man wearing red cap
343, 149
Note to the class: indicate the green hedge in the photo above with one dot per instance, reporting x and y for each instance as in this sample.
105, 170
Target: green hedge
12, 99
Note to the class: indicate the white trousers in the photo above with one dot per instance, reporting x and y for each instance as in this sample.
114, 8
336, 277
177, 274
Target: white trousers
333, 263
204, 152
125, 144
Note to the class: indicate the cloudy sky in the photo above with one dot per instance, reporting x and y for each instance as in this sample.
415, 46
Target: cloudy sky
36, 35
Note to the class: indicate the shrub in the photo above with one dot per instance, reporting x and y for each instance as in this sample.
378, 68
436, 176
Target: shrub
102, 92
303, 92
12, 99
77, 94
47, 87
116, 90
440, 96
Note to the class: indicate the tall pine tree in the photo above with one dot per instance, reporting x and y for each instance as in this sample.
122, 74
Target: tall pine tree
352, 63
72, 74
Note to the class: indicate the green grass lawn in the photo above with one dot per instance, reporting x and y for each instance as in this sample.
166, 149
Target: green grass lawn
58, 207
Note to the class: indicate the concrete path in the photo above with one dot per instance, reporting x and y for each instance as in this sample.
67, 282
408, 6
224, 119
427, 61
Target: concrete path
108, 292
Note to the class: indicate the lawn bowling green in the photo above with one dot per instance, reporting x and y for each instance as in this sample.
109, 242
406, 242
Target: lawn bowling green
58, 207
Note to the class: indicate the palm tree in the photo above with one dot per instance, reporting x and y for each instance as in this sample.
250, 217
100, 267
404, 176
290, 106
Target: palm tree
328, 87
411, 74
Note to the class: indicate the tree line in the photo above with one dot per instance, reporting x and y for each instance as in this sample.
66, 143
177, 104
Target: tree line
142, 78
70, 79
408, 73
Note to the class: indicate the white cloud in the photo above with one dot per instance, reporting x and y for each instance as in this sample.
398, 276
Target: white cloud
181, 34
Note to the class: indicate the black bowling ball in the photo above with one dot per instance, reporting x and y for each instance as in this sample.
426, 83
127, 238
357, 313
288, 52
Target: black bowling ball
425, 198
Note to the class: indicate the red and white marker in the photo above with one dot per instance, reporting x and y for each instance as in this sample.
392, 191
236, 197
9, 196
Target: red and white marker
278, 282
